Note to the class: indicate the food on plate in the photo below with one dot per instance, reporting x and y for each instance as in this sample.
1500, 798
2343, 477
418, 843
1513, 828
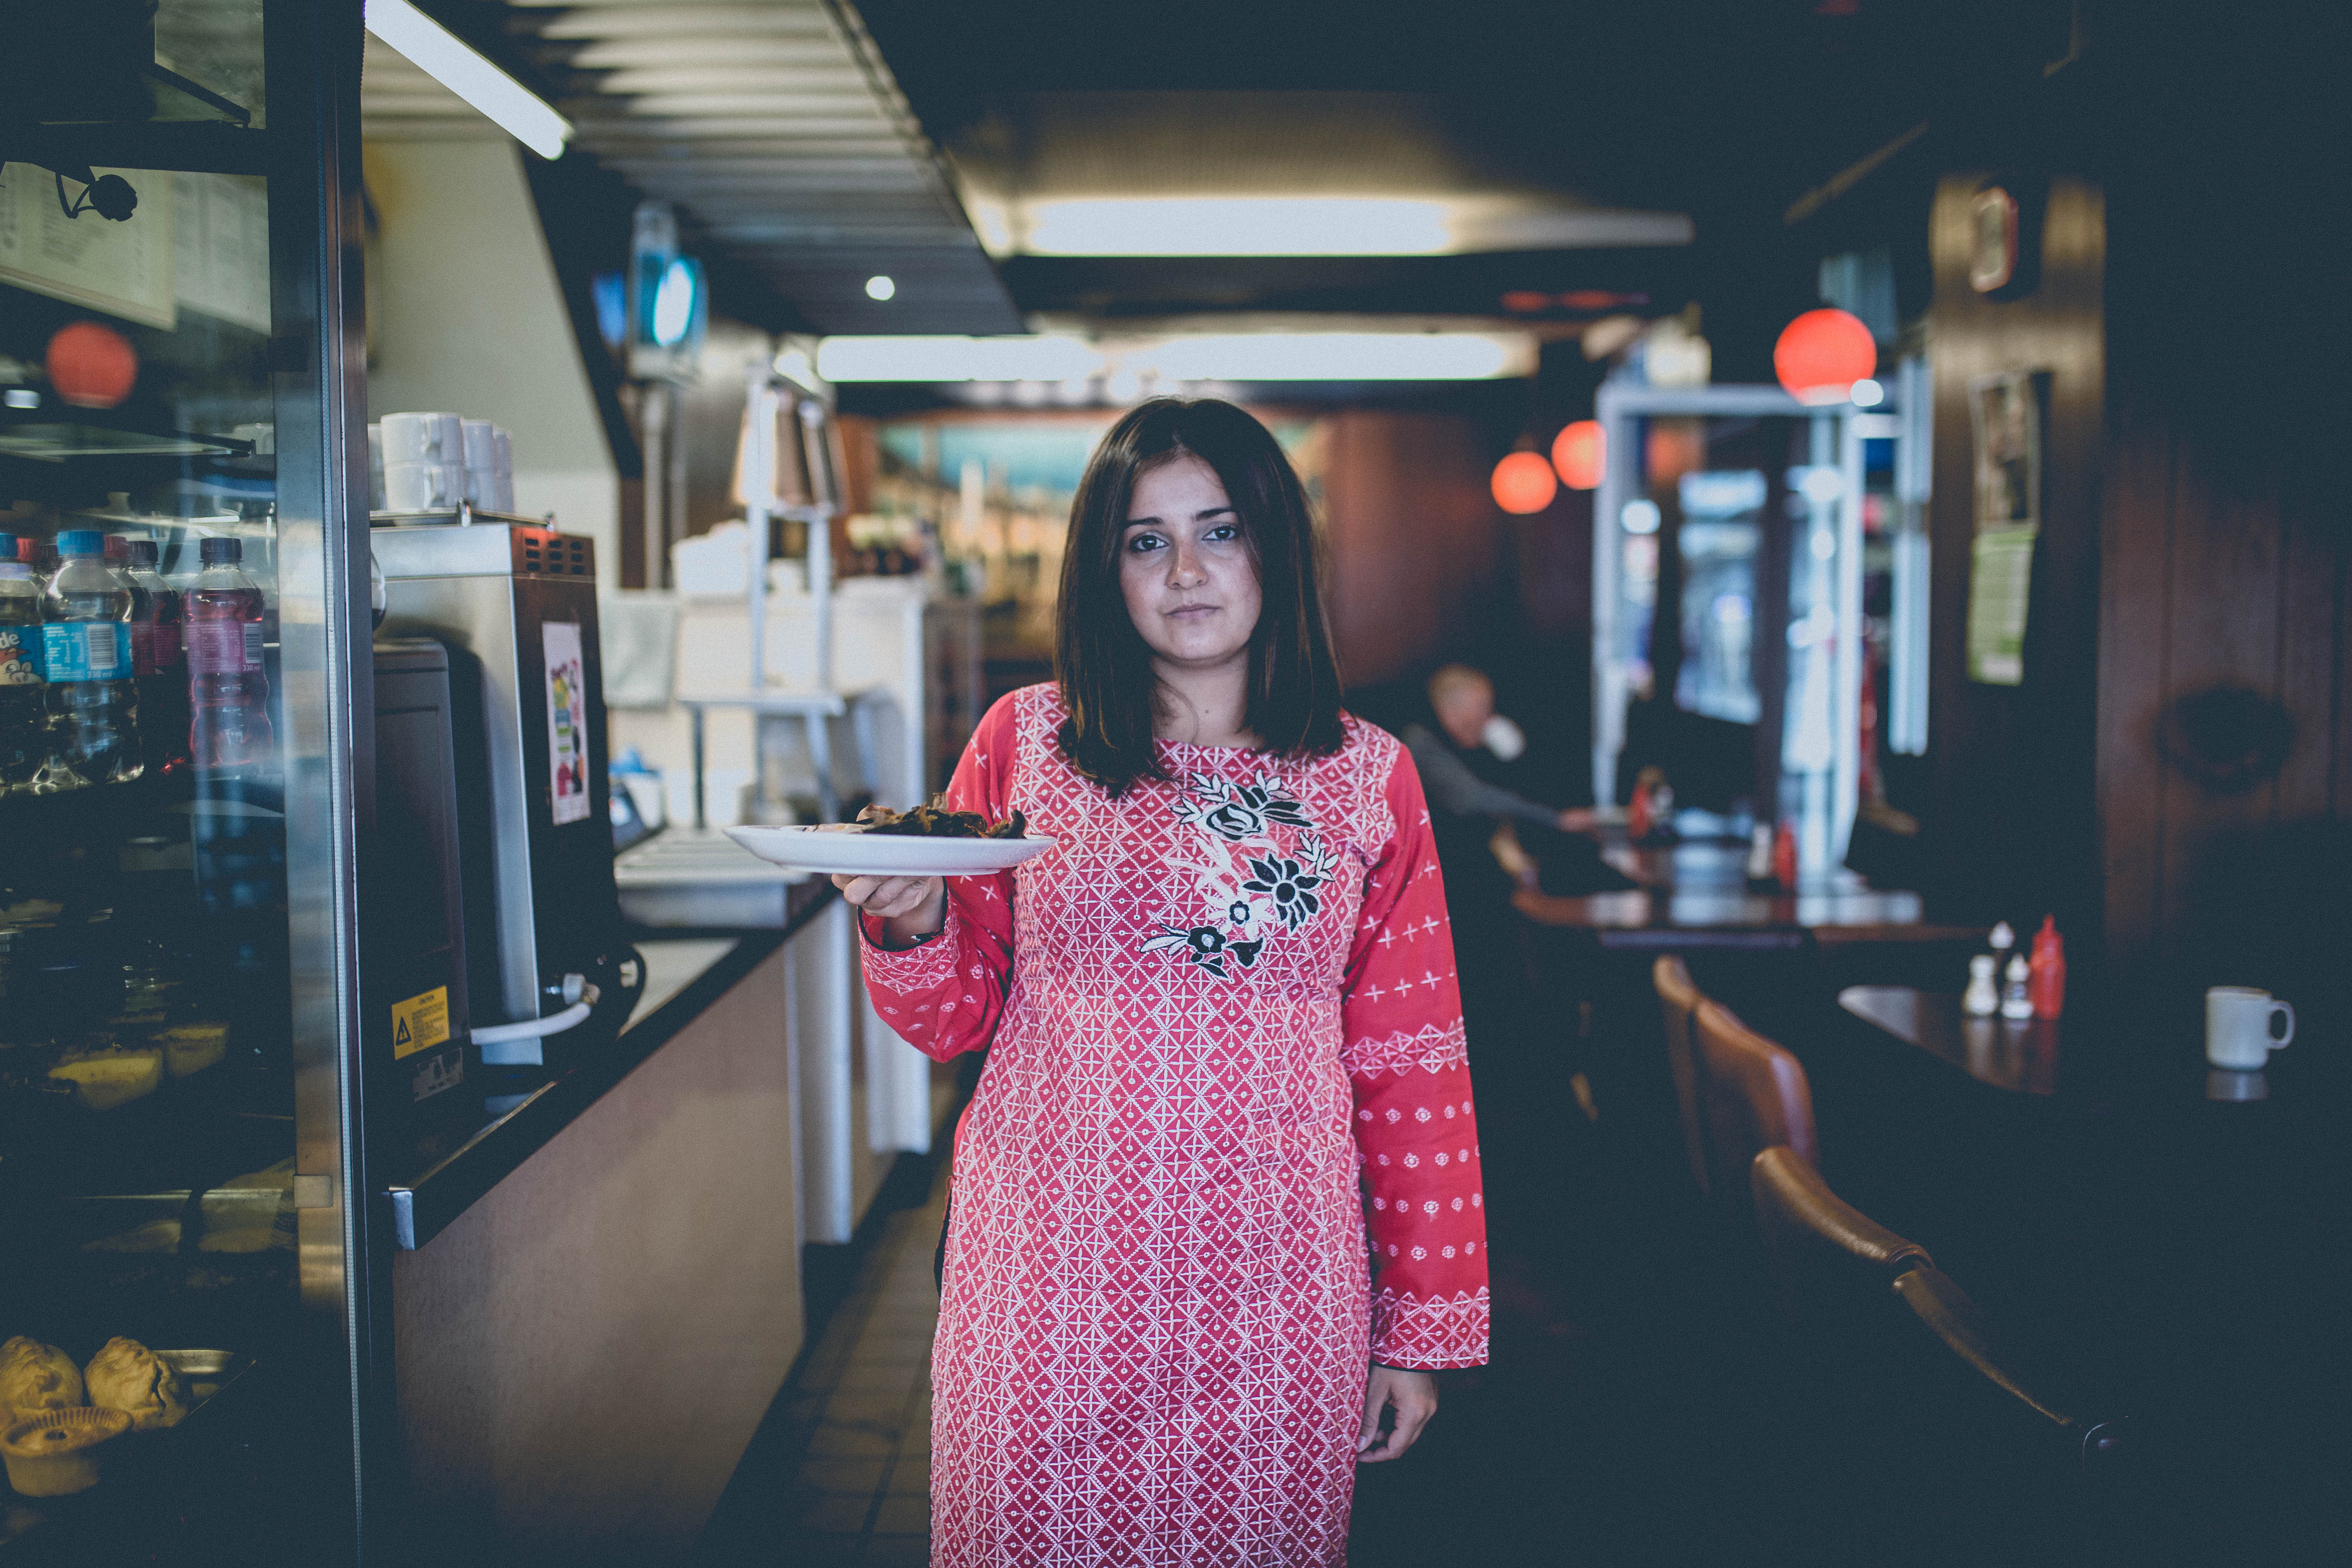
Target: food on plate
936, 821
104, 1079
126, 1376
52, 1453
192, 1047
34, 1377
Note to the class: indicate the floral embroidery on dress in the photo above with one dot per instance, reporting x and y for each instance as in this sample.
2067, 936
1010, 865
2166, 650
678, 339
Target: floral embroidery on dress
1252, 887
1289, 886
1238, 812
1206, 946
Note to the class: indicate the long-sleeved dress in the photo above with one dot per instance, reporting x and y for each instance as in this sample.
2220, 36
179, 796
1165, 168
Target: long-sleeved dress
1227, 1061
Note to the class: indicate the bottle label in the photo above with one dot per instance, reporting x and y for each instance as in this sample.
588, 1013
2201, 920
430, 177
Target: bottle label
87, 651
225, 648
156, 646
20, 656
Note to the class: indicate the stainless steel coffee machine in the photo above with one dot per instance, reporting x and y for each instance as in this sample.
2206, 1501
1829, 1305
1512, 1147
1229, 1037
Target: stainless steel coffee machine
515, 603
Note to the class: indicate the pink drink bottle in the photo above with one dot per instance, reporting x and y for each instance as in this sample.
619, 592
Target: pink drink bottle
230, 696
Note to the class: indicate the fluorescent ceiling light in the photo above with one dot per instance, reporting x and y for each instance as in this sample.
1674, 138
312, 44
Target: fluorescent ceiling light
1238, 226
1338, 356
1239, 356
955, 359
452, 63
1306, 225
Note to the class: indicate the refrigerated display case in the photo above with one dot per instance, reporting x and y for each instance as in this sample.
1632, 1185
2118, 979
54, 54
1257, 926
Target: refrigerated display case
178, 1005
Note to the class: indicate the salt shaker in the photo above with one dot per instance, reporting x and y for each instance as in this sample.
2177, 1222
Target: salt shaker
1982, 998
2016, 1001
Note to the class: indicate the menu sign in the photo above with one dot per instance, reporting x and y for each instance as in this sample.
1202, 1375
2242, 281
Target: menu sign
567, 722
2006, 411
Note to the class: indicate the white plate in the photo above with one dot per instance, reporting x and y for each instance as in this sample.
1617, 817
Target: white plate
833, 853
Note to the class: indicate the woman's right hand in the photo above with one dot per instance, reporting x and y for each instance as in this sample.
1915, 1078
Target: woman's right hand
908, 906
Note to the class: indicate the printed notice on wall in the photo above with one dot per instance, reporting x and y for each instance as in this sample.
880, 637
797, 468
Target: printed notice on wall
123, 269
2006, 413
220, 257
567, 722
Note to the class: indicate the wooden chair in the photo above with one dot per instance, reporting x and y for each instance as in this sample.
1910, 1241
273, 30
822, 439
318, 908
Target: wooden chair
1932, 1408
1752, 1095
1818, 1245
1678, 998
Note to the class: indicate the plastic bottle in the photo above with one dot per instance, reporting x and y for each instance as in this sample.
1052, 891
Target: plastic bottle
2046, 974
227, 689
93, 702
41, 556
160, 655
142, 623
24, 713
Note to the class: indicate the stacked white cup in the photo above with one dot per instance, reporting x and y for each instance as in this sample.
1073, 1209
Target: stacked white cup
423, 461
481, 462
502, 471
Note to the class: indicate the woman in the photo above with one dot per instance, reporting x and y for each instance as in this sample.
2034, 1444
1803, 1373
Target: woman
1225, 1042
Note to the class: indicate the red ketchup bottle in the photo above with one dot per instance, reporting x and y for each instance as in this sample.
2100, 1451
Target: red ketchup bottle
2045, 980
1784, 855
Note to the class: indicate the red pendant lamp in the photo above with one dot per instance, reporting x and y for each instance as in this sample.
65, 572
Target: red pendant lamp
91, 366
1580, 454
1522, 484
1821, 354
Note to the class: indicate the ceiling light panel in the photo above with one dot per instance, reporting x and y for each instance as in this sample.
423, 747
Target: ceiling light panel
1235, 226
455, 64
1231, 357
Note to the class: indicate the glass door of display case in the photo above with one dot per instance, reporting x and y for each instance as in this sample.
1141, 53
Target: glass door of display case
179, 1288
1759, 604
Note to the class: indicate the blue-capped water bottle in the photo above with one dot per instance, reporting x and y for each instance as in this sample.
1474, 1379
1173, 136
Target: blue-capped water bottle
93, 700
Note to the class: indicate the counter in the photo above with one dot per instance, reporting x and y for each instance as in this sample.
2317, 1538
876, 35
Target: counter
603, 1293
685, 971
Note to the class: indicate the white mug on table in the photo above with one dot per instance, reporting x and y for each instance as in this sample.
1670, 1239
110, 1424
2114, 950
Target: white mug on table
2239, 1021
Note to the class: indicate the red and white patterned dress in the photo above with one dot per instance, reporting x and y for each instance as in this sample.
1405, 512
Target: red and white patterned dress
1227, 1043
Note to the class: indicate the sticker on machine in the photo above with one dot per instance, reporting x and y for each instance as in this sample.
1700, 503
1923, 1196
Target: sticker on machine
420, 1023
567, 722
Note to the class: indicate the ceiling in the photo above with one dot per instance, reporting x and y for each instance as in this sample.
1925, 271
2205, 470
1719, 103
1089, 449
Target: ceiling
779, 132
1629, 156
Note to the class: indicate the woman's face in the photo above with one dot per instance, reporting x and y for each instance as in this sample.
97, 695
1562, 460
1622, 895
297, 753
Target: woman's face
1188, 578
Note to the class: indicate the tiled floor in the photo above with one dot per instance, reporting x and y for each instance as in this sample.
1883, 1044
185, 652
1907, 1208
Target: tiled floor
853, 1430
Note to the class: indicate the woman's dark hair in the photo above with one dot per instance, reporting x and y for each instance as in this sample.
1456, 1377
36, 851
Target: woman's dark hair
1101, 660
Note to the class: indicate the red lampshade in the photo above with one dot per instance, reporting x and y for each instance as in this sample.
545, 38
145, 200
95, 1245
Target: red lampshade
1675, 447
1523, 483
91, 366
1821, 354
1579, 453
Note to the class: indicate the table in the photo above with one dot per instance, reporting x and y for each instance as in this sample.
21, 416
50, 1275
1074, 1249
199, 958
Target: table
1694, 894
2016, 1057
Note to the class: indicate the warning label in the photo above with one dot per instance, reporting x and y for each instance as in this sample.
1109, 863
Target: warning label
420, 1023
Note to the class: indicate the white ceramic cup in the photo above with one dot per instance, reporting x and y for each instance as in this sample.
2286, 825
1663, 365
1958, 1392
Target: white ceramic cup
2239, 1025
439, 439
503, 472
482, 445
423, 487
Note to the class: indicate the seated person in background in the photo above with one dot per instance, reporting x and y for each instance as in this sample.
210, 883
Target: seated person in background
1463, 702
